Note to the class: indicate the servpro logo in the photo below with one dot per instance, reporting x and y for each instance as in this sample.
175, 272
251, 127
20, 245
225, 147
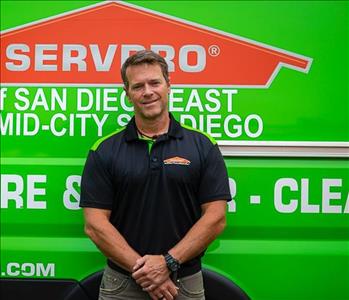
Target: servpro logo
88, 46
177, 161
67, 57
61, 76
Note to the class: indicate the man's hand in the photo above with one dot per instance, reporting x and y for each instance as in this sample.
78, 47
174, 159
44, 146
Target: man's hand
150, 271
167, 290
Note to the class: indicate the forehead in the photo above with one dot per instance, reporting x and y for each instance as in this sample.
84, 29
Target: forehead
143, 72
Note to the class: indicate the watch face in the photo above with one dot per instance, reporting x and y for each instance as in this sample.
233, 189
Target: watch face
173, 266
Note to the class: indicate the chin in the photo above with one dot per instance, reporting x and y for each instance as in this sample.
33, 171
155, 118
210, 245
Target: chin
152, 114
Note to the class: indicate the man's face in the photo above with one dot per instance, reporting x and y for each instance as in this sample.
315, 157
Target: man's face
147, 90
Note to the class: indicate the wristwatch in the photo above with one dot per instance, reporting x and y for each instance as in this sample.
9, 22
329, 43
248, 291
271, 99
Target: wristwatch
172, 264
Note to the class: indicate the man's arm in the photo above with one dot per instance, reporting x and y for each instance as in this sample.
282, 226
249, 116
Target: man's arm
108, 239
204, 231
113, 245
197, 239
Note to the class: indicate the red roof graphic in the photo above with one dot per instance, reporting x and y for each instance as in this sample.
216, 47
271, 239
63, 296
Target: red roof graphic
98, 36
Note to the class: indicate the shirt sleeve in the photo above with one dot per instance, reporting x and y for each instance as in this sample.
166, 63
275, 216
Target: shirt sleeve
214, 184
96, 183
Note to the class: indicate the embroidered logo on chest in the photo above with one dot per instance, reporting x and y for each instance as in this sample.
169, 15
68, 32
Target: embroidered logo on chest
177, 161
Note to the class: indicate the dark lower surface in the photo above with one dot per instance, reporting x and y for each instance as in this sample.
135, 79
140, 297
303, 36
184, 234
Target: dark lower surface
38, 289
217, 288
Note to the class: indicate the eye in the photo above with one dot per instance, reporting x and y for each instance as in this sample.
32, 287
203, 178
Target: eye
136, 87
155, 83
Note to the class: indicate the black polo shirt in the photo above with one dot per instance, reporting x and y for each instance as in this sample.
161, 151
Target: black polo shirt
154, 193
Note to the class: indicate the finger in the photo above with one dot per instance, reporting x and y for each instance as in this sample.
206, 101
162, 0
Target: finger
153, 296
167, 295
145, 284
140, 280
149, 288
173, 290
138, 274
139, 263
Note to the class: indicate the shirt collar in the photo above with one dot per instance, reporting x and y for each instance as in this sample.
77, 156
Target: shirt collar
175, 130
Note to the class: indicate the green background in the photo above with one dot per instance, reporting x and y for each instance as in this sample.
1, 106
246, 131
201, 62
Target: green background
297, 106
270, 255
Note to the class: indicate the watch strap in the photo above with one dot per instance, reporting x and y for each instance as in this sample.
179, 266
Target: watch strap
172, 264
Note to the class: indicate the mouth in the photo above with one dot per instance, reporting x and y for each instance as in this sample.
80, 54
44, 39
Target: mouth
150, 102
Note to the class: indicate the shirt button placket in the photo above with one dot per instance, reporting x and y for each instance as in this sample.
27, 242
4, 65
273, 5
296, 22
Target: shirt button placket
154, 162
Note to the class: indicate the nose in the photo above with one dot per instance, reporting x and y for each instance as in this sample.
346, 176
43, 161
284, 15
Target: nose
147, 92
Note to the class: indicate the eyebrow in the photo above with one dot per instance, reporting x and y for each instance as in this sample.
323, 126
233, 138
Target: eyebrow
142, 82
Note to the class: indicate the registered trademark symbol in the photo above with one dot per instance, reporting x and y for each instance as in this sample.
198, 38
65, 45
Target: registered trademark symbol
214, 50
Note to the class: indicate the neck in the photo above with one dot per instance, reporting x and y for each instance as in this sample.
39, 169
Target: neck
151, 127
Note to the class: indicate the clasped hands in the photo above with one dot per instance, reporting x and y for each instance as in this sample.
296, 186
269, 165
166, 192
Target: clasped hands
152, 274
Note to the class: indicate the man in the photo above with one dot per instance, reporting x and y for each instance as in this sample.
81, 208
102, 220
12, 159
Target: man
154, 194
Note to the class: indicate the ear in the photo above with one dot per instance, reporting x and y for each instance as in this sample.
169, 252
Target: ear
127, 95
169, 85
